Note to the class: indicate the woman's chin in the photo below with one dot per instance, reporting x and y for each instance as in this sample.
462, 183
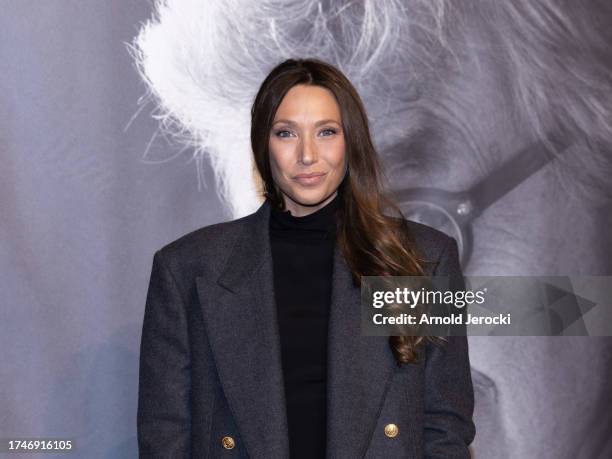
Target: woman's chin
310, 197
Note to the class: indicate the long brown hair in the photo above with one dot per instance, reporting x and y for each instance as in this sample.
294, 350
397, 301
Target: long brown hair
372, 243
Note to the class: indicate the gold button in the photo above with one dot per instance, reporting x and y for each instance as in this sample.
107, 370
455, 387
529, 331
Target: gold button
391, 430
228, 442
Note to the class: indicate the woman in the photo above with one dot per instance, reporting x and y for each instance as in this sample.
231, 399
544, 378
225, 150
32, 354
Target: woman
251, 343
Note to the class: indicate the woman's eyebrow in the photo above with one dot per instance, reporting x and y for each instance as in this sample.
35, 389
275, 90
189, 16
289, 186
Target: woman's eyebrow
318, 123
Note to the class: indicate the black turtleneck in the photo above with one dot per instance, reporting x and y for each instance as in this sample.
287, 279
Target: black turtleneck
302, 255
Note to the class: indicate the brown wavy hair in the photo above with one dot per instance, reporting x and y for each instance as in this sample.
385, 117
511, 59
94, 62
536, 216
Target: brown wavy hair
372, 243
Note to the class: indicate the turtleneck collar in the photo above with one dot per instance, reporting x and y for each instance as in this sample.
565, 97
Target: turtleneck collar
319, 224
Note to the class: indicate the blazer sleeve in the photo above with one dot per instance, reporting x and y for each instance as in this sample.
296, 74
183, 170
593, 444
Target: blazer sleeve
449, 394
163, 418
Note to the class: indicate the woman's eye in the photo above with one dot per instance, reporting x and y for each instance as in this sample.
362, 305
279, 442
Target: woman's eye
324, 132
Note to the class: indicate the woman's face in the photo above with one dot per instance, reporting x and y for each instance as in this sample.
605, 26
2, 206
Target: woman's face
307, 149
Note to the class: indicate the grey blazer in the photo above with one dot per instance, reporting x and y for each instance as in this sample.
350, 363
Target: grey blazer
211, 382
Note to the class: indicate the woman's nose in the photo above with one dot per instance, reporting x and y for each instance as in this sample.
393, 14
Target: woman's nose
308, 152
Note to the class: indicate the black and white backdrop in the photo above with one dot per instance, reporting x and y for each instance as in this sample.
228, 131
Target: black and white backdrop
125, 124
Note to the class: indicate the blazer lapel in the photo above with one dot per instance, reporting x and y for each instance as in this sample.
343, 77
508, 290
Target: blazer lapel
239, 311
240, 317
360, 369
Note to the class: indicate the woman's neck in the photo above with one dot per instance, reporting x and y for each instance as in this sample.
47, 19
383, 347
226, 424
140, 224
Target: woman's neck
321, 222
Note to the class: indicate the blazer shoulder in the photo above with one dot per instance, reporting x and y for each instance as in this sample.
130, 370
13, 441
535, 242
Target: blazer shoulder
203, 246
426, 235
429, 242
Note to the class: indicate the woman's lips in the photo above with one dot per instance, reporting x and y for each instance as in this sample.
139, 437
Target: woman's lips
310, 179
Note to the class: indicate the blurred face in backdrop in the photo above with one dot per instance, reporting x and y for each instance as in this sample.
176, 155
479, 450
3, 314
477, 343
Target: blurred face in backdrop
307, 149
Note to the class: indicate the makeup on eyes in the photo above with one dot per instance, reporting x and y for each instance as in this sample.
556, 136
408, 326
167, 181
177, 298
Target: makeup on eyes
333, 131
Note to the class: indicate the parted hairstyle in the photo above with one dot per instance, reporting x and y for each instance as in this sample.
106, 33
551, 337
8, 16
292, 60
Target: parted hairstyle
372, 243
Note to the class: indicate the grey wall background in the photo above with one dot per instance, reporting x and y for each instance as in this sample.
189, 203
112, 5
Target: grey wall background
82, 209
81, 213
